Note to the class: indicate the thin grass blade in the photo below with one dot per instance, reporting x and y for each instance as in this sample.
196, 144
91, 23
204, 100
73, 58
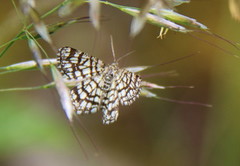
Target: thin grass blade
64, 93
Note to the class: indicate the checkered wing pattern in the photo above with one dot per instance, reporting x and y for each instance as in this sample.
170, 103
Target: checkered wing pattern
86, 96
110, 104
128, 87
99, 87
124, 89
76, 65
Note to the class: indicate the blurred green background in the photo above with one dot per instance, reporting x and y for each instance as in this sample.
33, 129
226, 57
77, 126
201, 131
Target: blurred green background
35, 132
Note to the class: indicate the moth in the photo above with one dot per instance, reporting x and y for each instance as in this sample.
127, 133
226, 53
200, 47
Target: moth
99, 87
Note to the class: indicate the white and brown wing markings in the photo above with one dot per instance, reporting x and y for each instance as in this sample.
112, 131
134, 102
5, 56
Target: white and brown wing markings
77, 65
100, 87
110, 103
86, 96
128, 87
125, 88
109, 106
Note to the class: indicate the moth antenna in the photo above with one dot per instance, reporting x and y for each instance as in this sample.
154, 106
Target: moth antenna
113, 52
120, 58
112, 47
